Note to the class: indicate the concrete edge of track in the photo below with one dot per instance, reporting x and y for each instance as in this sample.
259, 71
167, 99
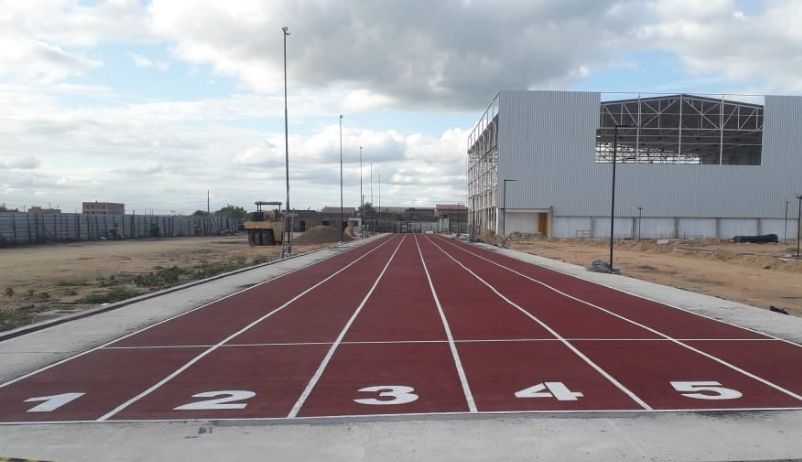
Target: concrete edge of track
31, 347
762, 320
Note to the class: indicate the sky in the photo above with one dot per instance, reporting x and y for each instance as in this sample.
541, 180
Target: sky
154, 103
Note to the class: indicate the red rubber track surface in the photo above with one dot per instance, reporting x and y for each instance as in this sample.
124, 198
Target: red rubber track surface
411, 324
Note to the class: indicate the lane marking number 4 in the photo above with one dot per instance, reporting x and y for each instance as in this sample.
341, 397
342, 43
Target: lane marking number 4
556, 390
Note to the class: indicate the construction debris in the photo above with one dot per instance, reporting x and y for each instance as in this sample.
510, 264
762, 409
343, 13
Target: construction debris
320, 235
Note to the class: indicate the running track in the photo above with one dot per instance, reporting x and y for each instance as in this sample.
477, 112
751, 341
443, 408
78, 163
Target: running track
415, 324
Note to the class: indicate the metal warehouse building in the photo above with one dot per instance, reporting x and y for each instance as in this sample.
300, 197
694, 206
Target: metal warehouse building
688, 166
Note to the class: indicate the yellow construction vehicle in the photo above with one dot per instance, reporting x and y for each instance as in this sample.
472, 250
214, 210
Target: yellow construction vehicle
265, 227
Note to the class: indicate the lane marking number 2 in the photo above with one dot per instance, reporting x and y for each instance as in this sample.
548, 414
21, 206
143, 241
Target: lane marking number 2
221, 399
390, 394
549, 390
51, 403
712, 390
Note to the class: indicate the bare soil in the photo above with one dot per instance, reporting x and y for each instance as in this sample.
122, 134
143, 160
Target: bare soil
756, 274
44, 280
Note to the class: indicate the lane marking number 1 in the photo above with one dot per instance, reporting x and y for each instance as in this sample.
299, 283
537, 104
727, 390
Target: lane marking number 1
549, 390
51, 403
392, 394
713, 390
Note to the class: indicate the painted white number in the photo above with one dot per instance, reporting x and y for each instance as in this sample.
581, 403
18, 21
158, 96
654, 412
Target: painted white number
713, 390
392, 394
222, 399
549, 390
51, 403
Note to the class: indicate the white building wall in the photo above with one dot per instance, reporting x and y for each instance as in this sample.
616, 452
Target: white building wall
547, 143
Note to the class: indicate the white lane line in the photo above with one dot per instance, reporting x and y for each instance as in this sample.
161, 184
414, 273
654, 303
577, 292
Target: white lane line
139, 331
565, 342
654, 331
206, 352
319, 372
466, 389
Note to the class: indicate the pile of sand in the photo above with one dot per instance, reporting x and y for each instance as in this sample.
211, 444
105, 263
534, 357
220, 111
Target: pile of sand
320, 235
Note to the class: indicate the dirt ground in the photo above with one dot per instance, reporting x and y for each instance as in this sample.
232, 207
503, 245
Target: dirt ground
44, 280
757, 274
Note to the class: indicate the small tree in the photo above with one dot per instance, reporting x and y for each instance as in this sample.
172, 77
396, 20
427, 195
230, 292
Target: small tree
200, 213
232, 211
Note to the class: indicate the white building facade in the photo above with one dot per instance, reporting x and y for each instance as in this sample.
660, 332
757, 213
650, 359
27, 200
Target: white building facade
687, 166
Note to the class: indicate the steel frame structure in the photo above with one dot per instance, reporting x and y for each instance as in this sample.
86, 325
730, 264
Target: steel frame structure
482, 170
681, 129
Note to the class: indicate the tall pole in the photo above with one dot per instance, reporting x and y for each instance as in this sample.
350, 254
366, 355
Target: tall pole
640, 217
287, 209
361, 197
208, 208
380, 194
785, 238
612, 200
799, 225
372, 204
342, 214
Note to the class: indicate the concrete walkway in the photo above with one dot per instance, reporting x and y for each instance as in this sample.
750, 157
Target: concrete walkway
770, 435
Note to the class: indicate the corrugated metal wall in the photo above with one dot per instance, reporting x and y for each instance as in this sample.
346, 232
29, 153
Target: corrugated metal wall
547, 143
29, 228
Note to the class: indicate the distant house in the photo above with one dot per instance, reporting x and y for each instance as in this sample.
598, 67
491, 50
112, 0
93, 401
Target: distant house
419, 214
347, 211
102, 208
37, 209
450, 210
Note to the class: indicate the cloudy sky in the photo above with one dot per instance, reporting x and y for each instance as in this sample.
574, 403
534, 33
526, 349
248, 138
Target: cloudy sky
151, 103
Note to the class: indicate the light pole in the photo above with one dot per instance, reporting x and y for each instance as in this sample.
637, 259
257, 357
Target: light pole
798, 225
504, 208
361, 198
612, 198
287, 209
640, 217
342, 215
785, 238
372, 204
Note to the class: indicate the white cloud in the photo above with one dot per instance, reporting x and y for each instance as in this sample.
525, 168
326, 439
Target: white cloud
147, 63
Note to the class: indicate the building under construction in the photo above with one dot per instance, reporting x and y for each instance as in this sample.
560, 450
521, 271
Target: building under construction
687, 165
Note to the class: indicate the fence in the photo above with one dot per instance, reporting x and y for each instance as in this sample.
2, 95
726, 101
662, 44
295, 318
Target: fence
30, 228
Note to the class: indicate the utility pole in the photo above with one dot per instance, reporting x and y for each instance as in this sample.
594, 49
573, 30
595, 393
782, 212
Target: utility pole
361, 198
287, 210
342, 217
640, 216
785, 238
798, 225
380, 199
208, 208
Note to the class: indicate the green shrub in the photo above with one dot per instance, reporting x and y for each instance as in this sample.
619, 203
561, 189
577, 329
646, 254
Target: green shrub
114, 294
9, 292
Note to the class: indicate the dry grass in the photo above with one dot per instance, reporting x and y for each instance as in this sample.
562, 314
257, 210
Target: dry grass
757, 274
70, 277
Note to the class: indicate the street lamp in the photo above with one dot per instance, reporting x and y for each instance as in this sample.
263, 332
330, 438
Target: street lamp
798, 225
361, 198
504, 208
640, 216
785, 238
342, 215
612, 198
287, 219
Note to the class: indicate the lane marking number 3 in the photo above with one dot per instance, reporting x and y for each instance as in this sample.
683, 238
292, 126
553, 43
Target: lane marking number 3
389, 394
705, 390
51, 403
221, 399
